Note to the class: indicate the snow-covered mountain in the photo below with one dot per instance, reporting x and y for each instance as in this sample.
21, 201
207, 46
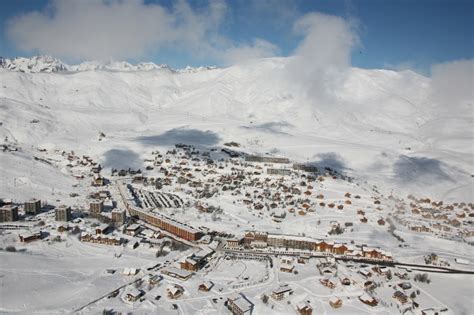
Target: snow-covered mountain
379, 125
50, 64
33, 64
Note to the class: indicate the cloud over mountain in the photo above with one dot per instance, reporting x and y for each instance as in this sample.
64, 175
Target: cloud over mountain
98, 29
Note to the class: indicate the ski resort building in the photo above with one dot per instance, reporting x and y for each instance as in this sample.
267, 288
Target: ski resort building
63, 213
169, 225
32, 206
96, 207
8, 213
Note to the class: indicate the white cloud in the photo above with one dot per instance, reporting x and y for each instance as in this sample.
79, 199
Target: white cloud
99, 29
122, 29
452, 86
322, 58
258, 49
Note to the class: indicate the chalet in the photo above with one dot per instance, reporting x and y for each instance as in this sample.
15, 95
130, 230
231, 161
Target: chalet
369, 285
339, 249
405, 285
304, 258
345, 281
281, 292
381, 270
30, 237
238, 304
155, 279
62, 228
335, 302
367, 299
103, 229
304, 308
400, 296
287, 265
188, 263
98, 181
365, 273
133, 294
206, 286
174, 291
329, 282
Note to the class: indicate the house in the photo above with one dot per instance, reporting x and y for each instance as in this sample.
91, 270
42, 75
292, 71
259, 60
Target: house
346, 281
155, 279
103, 229
304, 308
287, 265
281, 292
206, 286
174, 291
180, 274
197, 260
335, 302
400, 296
98, 181
233, 243
367, 299
133, 229
238, 304
304, 258
405, 285
329, 282
133, 294
381, 270
365, 273
189, 263
30, 237
62, 228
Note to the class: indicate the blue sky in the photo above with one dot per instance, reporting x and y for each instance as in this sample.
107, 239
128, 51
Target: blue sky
392, 34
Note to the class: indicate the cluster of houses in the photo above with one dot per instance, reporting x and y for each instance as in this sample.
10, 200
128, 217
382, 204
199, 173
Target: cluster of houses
257, 239
428, 216
101, 239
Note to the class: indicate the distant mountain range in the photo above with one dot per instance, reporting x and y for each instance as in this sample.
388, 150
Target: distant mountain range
50, 64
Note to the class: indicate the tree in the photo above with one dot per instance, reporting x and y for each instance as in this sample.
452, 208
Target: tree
265, 299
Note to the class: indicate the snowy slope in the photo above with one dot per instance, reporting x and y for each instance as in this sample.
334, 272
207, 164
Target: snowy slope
379, 126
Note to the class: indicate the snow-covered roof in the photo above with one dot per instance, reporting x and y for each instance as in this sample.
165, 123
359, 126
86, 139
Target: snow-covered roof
282, 288
178, 272
133, 292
